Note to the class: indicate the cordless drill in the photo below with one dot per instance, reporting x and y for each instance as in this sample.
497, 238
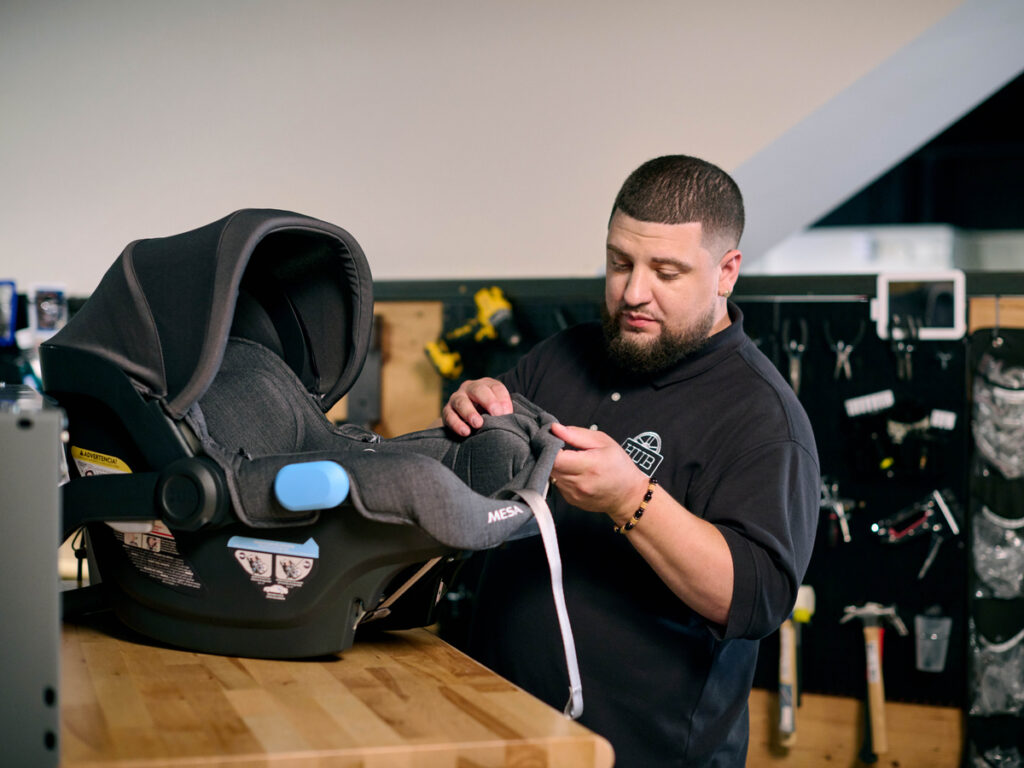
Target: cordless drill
493, 320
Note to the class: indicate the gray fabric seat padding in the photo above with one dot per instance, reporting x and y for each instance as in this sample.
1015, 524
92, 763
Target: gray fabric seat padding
256, 418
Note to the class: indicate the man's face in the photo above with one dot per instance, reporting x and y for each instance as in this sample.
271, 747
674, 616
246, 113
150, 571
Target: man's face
662, 291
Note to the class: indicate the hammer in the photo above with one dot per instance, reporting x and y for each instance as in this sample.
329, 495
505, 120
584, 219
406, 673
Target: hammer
872, 615
789, 664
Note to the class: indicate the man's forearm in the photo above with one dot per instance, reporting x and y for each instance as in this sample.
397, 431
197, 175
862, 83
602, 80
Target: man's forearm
689, 554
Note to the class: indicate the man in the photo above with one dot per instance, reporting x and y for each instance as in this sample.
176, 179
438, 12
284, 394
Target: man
687, 496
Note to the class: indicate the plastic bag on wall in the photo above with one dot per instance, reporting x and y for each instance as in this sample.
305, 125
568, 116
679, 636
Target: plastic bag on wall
998, 553
998, 423
996, 757
997, 676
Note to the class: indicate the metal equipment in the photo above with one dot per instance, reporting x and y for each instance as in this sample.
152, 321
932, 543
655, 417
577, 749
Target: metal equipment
936, 516
30, 435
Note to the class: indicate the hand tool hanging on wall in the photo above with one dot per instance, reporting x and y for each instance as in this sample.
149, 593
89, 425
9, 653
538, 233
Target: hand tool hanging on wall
998, 409
912, 441
790, 670
903, 347
493, 320
843, 350
795, 348
838, 510
872, 615
937, 515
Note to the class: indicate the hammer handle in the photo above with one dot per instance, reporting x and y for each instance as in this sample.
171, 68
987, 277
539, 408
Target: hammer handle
876, 689
787, 683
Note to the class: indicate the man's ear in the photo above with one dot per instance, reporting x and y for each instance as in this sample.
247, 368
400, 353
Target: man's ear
729, 271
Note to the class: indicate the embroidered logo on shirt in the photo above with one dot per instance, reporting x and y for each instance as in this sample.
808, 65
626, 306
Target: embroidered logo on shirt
645, 451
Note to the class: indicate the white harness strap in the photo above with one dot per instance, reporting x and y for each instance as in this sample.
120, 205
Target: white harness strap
574, 707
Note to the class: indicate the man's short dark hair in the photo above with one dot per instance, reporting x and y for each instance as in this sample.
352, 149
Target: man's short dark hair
678, 189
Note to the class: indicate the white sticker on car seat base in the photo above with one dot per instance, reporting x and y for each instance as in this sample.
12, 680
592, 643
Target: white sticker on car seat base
277, 566
155, 553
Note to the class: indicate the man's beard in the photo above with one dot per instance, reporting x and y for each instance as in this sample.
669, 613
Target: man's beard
635, 353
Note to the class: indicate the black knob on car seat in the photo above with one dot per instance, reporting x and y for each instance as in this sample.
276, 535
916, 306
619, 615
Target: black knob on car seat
191, 493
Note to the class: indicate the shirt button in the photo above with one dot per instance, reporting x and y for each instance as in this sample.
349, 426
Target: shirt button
616, 397
594, 427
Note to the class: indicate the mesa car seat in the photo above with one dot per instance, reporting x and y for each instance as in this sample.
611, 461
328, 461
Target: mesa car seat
225, 513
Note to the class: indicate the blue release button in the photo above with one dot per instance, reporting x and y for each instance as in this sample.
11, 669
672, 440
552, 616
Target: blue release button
311, 485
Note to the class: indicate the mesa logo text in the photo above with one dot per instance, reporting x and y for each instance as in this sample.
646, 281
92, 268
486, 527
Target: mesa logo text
504, 513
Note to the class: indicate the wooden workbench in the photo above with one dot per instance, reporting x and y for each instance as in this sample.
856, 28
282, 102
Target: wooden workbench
403, 699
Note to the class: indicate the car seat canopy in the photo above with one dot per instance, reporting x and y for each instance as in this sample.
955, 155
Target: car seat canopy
165, 309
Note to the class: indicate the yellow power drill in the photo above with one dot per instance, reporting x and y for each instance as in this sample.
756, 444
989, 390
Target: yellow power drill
493, 320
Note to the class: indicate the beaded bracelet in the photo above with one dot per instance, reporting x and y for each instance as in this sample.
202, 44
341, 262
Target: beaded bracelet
631, 523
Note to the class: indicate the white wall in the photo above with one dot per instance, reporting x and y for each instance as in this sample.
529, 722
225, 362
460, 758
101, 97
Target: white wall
453, 139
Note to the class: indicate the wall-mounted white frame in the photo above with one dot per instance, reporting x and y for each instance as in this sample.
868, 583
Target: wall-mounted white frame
914, 294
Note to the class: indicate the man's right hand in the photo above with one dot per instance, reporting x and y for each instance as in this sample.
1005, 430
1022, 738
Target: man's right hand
473, 397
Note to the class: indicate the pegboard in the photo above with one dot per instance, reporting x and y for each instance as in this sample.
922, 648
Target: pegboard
889, 435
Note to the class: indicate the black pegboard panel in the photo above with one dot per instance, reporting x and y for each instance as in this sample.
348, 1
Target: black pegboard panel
882, 478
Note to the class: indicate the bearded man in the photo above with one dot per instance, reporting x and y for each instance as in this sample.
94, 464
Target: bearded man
687, 494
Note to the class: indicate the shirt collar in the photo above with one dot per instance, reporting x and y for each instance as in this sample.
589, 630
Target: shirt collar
719, 346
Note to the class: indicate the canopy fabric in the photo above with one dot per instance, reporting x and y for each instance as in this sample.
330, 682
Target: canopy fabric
164, 310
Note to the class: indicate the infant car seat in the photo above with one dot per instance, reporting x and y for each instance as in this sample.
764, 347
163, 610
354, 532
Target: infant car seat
225, 512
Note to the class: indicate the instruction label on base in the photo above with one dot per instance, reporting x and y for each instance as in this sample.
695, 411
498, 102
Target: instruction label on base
155, 553
277, 566
148, 544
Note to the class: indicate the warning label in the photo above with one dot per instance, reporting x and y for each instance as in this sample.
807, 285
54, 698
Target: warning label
94, 463
278, 566
156, 554
150, 546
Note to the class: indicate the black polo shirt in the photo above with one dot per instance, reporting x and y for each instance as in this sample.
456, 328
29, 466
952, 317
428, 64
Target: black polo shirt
727, 438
